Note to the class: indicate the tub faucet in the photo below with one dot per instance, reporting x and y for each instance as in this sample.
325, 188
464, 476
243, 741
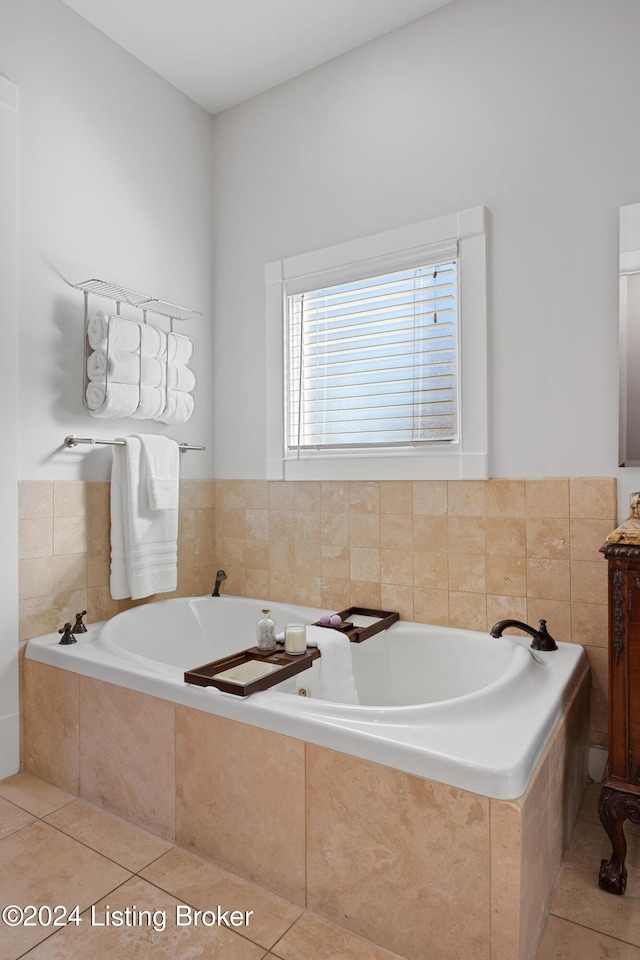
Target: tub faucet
542, 639
220, 576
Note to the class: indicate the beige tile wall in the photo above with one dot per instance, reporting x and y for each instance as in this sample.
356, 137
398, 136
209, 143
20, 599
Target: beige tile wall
64, 550
463, 553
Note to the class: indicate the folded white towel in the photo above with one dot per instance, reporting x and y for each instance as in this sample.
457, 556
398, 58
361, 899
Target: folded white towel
152, 401
336, 669
179, 348
178, 409
143, 541
121, 366
122, 334
121, 399
162, 461
180, 377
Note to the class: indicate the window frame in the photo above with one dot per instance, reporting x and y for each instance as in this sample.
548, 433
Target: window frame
466, 458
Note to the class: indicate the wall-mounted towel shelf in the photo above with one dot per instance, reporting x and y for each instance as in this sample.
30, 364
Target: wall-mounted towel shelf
73, 441
111, 291
134, 369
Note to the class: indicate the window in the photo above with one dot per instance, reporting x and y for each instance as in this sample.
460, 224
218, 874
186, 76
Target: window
372, 370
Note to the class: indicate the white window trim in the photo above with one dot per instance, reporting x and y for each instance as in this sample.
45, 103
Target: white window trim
465, 460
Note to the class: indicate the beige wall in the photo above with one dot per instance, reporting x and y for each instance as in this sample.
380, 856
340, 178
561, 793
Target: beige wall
463, 553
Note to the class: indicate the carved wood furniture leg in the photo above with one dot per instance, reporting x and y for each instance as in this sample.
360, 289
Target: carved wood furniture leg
614, 808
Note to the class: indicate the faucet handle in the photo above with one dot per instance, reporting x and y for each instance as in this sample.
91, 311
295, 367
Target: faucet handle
67, 634
546, 641
79, 626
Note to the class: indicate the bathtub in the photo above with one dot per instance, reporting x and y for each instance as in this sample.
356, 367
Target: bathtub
450, 705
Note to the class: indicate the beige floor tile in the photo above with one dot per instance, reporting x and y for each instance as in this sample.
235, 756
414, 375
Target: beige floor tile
562, 940
589, 806
579, 898
37, 796
130, 846
311, 938
39, 865
201, 883
12, 818
142, 941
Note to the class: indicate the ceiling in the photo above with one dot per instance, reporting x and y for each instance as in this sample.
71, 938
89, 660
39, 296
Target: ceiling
221, 52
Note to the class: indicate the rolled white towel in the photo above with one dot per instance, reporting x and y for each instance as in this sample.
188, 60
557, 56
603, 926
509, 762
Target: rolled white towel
120, 366
180, 377
123, 334
121, 399
152, 401
178, 409
153, 342
179, 348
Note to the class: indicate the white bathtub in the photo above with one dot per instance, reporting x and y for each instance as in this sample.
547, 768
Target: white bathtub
451, 705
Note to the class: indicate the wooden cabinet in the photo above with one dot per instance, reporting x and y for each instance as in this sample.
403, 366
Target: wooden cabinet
620, 794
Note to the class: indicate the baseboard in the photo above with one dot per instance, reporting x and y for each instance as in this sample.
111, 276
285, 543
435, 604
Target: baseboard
9, 745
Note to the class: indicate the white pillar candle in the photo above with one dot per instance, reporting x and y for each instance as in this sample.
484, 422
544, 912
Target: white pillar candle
295, 638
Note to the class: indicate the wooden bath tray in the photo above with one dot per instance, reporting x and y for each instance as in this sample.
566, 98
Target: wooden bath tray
249, 671
360, 623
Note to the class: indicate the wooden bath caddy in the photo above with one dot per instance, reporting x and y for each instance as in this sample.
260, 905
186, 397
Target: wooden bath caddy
357, 632
250, 671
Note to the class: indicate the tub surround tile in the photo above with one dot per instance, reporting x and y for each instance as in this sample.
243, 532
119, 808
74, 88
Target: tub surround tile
35, 499
430, 497
428, 533
396, 567
364, 530
256, 494
548, 497
200, 882
35, 538
506, 498
69, 498
281, 495
593, 497
505, 537
590, 624
465, 535
549, 579
396, 597
589, 581
364, 564
365, 593
51, 738
35, 578
364, 496
431, 606
40, 865
245, 811
113, 837
548, 539
307, 495
396, 497
69, 535
127, 755
377, 830
334, 561
468, 610
505, 607
467, 573
466, 498
506, 576
69, 573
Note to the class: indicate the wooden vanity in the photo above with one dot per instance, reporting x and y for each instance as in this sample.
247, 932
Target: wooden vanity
620, 794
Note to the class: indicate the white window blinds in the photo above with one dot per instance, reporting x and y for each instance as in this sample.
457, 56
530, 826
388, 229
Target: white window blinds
374, 362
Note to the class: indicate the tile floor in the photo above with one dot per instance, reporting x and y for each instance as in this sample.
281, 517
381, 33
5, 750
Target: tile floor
56, 849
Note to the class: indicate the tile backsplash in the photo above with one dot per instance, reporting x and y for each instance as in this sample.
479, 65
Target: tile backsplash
460, 553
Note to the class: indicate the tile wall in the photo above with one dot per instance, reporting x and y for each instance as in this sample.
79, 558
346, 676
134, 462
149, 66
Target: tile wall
463, 553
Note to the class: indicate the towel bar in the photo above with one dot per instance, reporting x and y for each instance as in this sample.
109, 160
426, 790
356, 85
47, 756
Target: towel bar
73, 441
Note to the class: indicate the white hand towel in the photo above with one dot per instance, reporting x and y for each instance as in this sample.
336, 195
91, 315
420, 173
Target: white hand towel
120, 401
162, 461
179, 348
180, 377
336, 669
121, 366
152, 400
146, 537
123, 334
178, 409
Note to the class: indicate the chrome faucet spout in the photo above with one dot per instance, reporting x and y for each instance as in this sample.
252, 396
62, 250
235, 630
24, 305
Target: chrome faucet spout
220, 576
541, 638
